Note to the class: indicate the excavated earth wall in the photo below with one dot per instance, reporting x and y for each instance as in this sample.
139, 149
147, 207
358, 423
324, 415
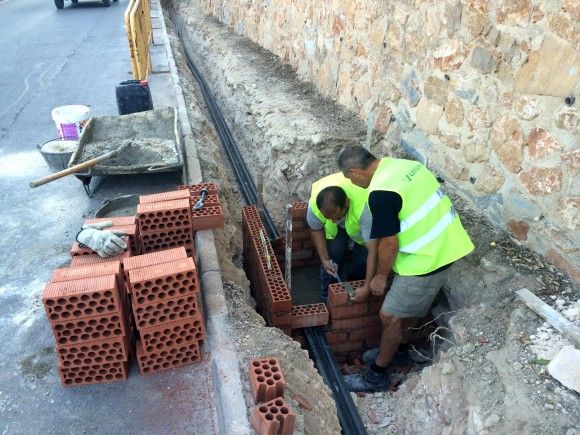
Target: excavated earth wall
492, 378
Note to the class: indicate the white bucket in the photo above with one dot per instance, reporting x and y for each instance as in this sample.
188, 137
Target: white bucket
70, 120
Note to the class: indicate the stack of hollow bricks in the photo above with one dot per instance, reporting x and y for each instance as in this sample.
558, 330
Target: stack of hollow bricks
267, 281
353, 327
89, 306
271, 414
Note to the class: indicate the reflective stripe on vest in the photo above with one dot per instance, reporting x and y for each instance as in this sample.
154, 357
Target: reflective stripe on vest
432, 234
422, 211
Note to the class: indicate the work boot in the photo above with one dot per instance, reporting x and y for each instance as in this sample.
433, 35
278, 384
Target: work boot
368, 381
400, 358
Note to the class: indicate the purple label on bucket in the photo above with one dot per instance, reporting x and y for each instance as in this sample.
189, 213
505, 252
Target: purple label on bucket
69, 131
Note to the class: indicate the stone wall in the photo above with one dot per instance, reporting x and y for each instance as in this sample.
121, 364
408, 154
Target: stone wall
482, 90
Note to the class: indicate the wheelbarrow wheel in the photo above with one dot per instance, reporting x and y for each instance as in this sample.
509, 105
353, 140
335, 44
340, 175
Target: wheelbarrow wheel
59, 4
106, 2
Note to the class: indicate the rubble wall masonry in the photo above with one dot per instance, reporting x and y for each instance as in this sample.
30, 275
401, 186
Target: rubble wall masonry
476, 88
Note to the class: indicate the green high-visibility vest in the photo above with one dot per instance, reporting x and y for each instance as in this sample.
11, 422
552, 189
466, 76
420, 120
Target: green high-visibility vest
431, 233
357, 197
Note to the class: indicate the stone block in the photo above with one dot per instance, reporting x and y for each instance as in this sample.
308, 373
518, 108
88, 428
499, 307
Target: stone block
411, 88
568, 208
428, 115
507, 140
483, 59
542, 181
541, 144
513, 12
454, 112
552, 70
436, 90
567, 118
571, 161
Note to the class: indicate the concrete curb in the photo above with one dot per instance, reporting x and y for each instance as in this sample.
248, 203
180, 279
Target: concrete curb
230, 403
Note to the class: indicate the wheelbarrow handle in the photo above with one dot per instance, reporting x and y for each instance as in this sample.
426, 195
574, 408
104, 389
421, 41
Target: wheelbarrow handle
79, 167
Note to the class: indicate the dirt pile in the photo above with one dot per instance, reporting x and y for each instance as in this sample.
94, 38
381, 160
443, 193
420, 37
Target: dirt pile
493, 378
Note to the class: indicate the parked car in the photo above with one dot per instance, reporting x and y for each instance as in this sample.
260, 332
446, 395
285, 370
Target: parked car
60, 3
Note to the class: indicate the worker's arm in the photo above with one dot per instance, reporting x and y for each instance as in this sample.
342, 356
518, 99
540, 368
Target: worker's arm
319, 240
388, 247
362, 293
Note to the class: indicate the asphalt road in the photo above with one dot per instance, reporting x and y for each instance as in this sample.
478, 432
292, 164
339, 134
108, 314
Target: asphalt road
51, 58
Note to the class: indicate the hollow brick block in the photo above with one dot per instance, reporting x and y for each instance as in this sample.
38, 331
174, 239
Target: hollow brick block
348, 346
336, 337
162, 240
338, 296
153, 258
93, 352
84, 260
164, 196
89, 271
89, 329
80, 298
266, 379
166, 311
305, 316
195, 189
358, 309
116, 220
157, 361
281, 319
273, 417
190, 250
93, 374
278, 295
160, 337
345, 324
365, 333
207, 218
299, 210
163, 281
162, 216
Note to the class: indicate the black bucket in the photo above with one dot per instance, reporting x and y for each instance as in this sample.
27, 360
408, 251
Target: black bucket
57, 153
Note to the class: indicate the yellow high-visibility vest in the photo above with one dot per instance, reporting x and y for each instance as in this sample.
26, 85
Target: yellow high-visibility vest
431, 233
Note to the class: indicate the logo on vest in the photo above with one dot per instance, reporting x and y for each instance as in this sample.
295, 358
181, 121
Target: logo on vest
409, 176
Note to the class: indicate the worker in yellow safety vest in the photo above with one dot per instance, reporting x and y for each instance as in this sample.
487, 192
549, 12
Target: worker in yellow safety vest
419, 235
333, 214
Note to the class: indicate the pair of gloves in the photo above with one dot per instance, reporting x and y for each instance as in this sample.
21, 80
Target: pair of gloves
105, 243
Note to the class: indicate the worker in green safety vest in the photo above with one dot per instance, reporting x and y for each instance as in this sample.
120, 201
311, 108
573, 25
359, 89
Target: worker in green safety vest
419, 236
333, 214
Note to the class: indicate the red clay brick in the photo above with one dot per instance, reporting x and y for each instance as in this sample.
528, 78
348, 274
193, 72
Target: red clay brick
371, 320
273, 417
94, 374
347, 346
159, 337
153, 258
162, 216
164, 196
375, 307
94, 352
163, 240
365, 333
167, 359
207, 218
345, 323
163, 281
166, 311
337, 294
358, 309
84, 260
195, 189
371, 343
305, 316
266, 379
116, 220
72, 273
281, 320
299, 210
300, 235
278, 295
89, 329
80, 298
336, 337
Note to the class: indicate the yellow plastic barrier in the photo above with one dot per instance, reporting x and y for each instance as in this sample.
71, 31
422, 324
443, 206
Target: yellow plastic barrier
139, 35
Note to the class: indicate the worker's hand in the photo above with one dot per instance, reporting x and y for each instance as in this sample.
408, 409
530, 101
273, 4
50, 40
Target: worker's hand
378, 285
361, 294
330, 267
104, 243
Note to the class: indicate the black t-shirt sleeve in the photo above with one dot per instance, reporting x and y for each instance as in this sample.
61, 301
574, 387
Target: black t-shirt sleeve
385, 207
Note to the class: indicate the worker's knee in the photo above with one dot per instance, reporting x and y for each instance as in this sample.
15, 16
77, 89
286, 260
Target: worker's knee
390, 321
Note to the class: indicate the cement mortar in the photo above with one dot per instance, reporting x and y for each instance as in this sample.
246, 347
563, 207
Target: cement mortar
472, 388
141, 152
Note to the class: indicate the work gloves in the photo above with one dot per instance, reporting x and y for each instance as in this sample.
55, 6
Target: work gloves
104, 243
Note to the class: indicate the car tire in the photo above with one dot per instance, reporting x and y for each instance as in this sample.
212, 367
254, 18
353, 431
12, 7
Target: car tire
106, 2
59, 4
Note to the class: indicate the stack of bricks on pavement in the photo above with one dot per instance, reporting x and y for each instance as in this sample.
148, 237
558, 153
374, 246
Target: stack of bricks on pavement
144, 302
351, 327
271, 413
